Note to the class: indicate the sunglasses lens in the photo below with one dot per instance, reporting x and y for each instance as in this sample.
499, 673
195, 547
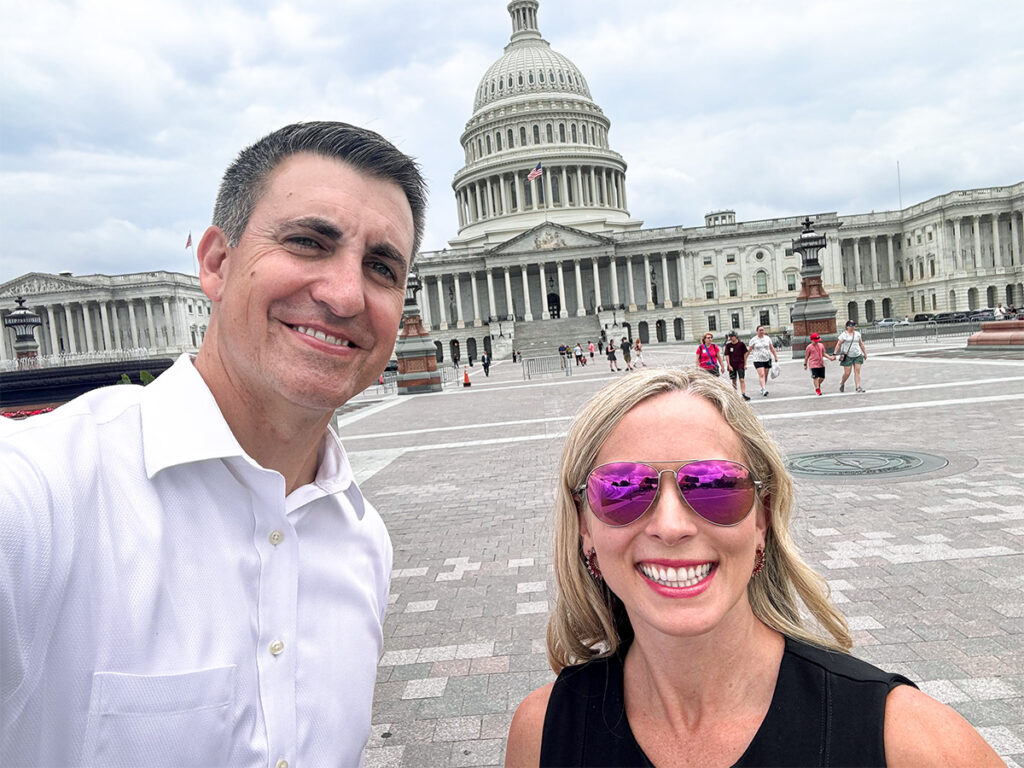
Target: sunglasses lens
722, 492
620, 493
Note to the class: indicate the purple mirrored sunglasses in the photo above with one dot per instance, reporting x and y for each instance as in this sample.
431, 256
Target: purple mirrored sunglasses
722, 492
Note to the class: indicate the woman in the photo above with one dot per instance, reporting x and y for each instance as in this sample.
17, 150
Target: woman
709, 357
852, 354
679, 631
613, 364
638, 350
761, 350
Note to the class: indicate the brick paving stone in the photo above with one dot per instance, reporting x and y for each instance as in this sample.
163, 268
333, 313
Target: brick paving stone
928, 568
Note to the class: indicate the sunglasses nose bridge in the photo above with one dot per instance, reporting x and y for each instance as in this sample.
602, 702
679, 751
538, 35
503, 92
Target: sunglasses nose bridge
658, 498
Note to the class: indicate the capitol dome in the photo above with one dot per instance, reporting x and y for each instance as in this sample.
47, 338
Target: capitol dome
533, 107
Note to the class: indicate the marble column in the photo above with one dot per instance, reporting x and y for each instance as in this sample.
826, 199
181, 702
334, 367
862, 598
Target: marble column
597, 285
625, 205
69, 323
510, 307
581, 309
957, 247
90, 345
479, 205
857, 281
477, 320
615, 283
459, 321
997, 258
564, 191
104, 307
563, 309
528, 313
52, 323
976, 225
543, 294
874, 261
647, 282
892, 259
629, 281
519, 192
149, 323
548, 200
579, 186
1014, 239
169, 324
492, 310
664, 280
442, 311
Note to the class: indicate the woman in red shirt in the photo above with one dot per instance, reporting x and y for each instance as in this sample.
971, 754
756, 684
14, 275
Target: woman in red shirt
708, 356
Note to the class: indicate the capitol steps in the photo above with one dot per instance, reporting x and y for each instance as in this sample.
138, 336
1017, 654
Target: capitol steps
542, 337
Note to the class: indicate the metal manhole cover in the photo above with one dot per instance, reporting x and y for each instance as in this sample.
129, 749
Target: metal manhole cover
863, 463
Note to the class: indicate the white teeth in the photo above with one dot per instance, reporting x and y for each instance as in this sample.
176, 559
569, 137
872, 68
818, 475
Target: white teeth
317, 334
671, 577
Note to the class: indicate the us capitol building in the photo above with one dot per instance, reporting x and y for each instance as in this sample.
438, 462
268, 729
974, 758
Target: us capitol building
560, 254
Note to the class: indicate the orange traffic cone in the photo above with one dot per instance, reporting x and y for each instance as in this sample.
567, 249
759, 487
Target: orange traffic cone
465, 377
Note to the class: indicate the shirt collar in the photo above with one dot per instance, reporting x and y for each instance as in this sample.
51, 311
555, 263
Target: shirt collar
181, 422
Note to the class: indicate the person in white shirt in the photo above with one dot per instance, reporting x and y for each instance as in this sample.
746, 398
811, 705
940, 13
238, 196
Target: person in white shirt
189, 574
852, 353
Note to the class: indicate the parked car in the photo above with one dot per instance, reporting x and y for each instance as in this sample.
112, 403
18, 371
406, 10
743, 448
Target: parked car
983, 315
888, 322
950, 317
923, 317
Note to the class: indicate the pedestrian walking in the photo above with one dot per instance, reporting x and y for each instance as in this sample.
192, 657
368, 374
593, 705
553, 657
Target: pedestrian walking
577, 352
613, 364
814, 358
852, 354
709, 356
562, 353
626, 356
456, 353
590, 347
761, 350
485, 361
638, 351
735, 361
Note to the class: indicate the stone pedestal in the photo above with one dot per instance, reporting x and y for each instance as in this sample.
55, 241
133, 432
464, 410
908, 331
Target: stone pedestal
1000, 334
417, 359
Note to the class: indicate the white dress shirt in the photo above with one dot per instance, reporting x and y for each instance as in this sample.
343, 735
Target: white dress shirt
163, 603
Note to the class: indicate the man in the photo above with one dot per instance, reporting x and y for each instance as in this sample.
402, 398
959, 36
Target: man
485, 361
735, 360
626, 348
189, 574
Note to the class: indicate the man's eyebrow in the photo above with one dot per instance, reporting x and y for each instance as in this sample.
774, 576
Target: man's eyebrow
319, 225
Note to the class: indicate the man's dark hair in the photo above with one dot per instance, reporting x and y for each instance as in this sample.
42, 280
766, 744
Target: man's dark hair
246, 178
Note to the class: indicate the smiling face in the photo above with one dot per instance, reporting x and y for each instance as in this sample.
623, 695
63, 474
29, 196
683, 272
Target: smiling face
307, 305
708, 338
718, 561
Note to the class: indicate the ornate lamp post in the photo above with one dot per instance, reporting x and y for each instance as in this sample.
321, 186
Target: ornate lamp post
416, 353
814, 311
24, 323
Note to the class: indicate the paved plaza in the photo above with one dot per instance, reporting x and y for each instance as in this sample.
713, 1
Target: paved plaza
927, 568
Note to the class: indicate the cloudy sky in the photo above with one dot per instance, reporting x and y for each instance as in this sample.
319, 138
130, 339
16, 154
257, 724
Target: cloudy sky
117, 117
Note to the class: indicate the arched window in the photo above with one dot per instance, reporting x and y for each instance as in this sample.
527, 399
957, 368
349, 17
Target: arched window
520, 78
556, 197
488, 144
501, 85
574, 138
561, 77
497, 140
550, 136
522, 135
510, 142
479, 148
761, 280
510, 81
536, 134
529, 77
561, 132
541, 75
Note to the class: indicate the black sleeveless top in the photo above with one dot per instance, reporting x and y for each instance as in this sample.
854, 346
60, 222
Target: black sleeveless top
827, 710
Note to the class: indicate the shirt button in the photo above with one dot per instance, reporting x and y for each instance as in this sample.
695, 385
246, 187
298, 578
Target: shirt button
276, 537
277, 647
282, 764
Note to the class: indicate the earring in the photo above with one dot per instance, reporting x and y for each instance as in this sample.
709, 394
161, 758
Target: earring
758, 561
591, 561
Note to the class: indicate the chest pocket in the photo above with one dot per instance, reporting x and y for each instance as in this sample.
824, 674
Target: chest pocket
180, 719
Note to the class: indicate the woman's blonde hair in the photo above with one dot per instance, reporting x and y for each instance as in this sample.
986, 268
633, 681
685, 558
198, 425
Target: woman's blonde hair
588, 619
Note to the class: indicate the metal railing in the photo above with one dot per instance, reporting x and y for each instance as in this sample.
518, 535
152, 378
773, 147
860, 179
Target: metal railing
927, 331
82, 358
551, 365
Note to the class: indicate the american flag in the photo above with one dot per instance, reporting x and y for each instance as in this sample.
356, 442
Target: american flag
536, 173
188, 243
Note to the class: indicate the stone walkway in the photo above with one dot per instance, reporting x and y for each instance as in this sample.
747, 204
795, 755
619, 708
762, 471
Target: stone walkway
928, 569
